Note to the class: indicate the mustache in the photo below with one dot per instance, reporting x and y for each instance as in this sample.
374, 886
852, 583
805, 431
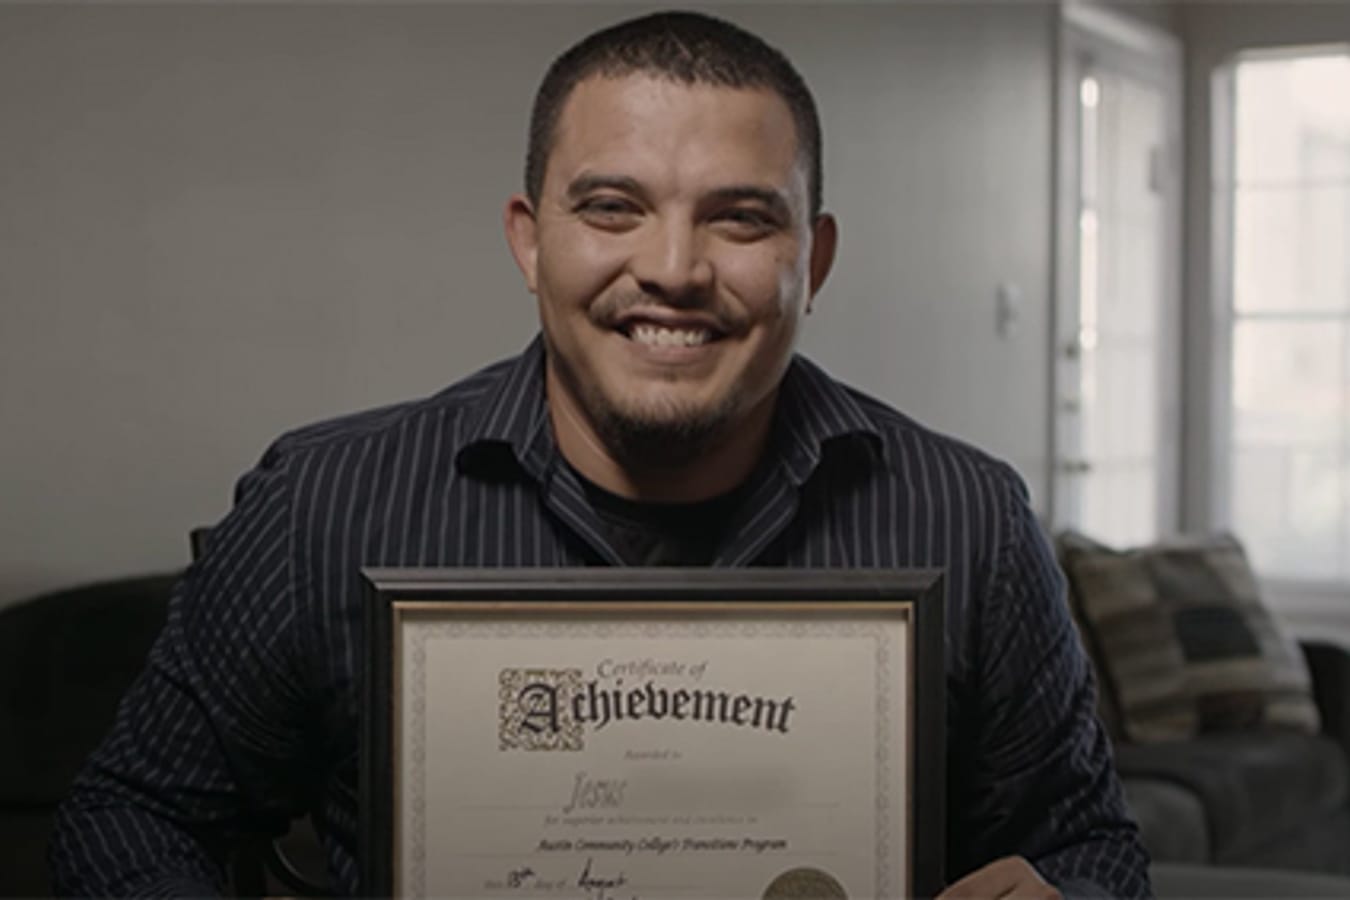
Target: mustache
609, 309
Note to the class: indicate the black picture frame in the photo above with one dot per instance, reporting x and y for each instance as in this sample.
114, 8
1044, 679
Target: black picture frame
391, 588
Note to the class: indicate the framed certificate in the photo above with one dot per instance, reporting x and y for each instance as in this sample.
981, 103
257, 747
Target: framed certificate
609, 734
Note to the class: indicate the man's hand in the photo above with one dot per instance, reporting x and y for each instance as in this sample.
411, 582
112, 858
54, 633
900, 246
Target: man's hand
1009, 877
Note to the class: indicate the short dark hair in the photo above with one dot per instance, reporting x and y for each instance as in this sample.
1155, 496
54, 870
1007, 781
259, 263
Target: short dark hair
689, 48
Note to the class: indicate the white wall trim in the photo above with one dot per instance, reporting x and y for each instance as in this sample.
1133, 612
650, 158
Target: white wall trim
1217, 351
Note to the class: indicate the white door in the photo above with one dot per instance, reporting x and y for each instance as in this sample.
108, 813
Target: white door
1116, 381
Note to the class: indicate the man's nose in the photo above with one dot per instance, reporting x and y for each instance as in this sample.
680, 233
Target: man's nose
671, 263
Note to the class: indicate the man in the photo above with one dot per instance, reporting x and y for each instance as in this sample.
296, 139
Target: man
671, 229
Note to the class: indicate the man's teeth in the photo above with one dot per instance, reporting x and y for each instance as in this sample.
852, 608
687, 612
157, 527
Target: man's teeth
657, 336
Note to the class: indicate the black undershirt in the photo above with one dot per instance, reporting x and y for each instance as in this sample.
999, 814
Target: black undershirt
662, 534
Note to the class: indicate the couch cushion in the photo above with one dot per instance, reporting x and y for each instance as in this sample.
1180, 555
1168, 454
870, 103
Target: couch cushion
66, 659
1172, 881
1253, 787
1319, 846
1171, 819
1182, 640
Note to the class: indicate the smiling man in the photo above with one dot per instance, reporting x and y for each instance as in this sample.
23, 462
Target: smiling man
671, 229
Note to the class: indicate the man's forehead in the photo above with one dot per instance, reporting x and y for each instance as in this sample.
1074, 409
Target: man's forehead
610, 116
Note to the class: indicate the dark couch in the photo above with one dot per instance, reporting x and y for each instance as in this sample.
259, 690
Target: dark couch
66, 659
1275, 801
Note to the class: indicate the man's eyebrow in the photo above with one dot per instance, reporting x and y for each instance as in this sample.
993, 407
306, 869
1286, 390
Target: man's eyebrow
774, 200
587, 183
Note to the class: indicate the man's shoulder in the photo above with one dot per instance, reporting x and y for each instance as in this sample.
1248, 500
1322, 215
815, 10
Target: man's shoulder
446, 410
902, 430
905, 441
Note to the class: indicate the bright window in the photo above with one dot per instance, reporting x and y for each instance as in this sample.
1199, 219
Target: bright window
1286, 201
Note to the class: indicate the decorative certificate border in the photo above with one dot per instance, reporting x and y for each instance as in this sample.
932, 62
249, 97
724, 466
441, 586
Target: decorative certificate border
411, 608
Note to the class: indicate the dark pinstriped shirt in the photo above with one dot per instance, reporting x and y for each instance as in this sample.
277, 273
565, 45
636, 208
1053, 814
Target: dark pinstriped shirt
246, 714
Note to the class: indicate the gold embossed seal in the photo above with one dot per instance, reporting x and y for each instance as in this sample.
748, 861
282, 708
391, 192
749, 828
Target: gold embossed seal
805, 884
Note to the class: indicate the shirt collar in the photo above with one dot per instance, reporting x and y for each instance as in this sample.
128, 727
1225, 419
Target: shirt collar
511, 413
813, 410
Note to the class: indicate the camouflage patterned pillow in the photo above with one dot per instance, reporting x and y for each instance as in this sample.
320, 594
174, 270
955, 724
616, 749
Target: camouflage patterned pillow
1182, 640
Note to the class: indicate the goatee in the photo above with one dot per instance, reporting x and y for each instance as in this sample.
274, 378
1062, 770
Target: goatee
671, 442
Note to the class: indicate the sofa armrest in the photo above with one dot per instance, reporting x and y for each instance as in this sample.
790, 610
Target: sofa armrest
1329, 665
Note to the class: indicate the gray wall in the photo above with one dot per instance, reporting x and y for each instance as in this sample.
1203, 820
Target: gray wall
1213, 34
218, 223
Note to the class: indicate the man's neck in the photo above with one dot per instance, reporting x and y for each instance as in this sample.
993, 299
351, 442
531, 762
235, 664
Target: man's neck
717, 470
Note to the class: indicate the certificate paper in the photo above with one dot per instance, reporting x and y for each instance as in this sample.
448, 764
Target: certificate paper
654, 749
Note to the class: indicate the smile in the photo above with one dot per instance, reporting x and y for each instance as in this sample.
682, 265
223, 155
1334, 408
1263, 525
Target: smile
662, 336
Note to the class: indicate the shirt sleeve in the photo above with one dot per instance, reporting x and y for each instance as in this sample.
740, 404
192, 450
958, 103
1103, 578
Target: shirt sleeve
1034, 775
206, 745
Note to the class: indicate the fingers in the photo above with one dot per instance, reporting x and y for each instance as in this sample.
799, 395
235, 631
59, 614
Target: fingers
1010, 877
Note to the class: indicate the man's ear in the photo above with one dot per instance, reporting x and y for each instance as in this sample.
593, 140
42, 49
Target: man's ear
824, 240
522, 234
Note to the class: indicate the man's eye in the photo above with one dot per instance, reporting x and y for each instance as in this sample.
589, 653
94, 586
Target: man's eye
607, 208
747, 222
